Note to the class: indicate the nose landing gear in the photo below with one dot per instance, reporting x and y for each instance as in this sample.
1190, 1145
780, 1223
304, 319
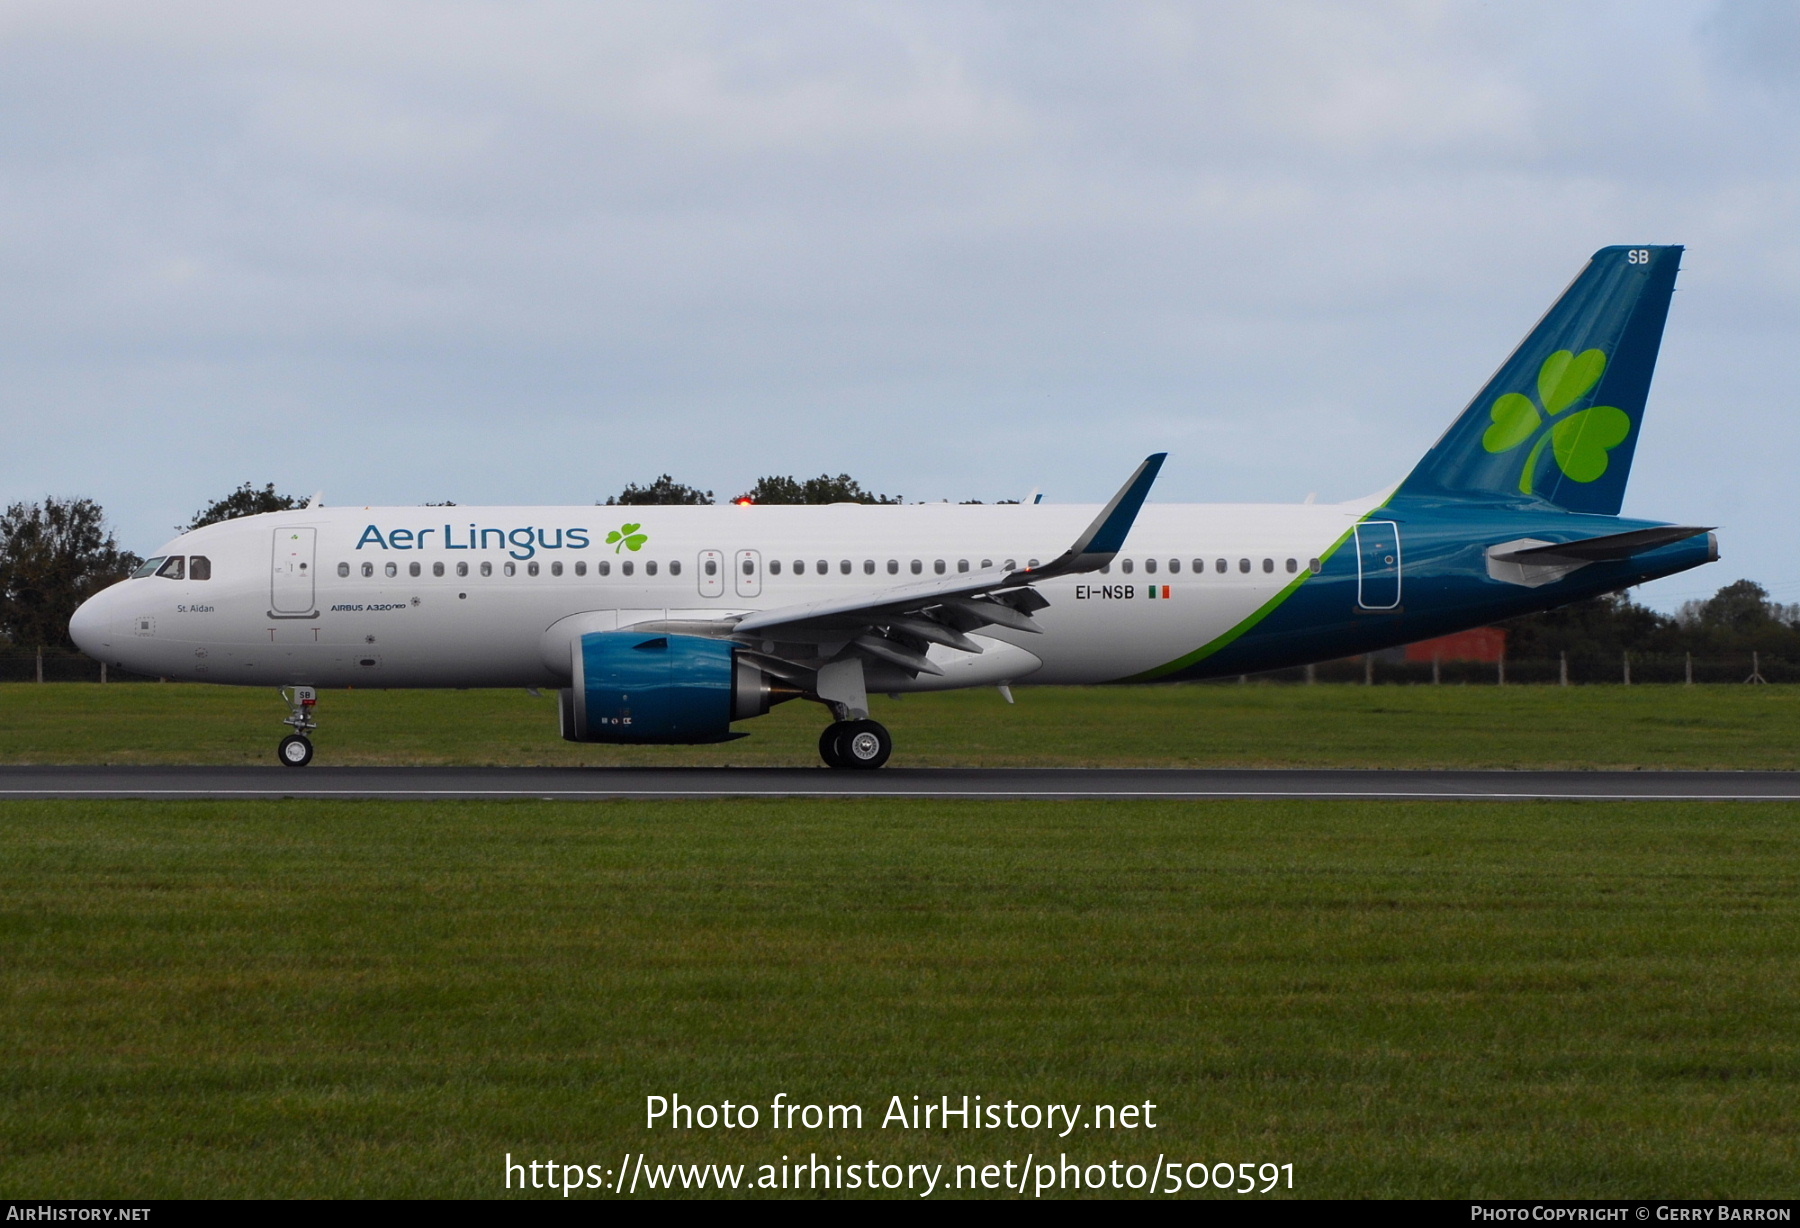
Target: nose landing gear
296, 750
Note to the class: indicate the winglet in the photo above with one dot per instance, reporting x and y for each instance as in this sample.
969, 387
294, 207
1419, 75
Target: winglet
1103, 539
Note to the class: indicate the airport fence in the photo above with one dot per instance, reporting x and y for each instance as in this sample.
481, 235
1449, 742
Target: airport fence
58, 665
1623, 669
68, 665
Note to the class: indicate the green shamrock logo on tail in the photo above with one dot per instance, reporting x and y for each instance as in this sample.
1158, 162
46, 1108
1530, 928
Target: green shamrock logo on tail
1581, 441
627, 537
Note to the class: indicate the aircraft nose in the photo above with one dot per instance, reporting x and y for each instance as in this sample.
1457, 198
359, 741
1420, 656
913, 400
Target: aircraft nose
87, 626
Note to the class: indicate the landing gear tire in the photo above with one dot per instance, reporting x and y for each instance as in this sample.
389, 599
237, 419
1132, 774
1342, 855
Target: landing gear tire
828, 745
856, 744
294, 751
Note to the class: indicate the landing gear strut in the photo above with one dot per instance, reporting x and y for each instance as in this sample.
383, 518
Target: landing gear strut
852, 740
855, 744
296, 750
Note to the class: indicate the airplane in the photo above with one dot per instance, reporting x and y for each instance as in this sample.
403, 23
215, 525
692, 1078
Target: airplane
673, 624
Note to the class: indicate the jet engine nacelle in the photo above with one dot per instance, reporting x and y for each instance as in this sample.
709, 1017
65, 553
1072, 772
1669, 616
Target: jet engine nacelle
630, 686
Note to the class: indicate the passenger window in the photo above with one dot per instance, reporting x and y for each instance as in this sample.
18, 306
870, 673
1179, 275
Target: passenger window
462, 569
917, 567
1106, 569
1199, 567
1221, 567
556, 569
986, 563
844, 567
938, 566
391, 570
412, 569
1244, 565
368, 569
674, 567
1150, 566
774, 567
627, 567
343, 571
962, 565
822, 567
868, 567
893, 567
1125, 566
1032, 564
799, 567
712, 567
1174, 565
1314, 566
531, 568
650, 568
1011, 565
199, 567
581, 567
173, 568
510, 569
1293, 565
487, 569
148, 567
1268, 565
437, 569
603, 567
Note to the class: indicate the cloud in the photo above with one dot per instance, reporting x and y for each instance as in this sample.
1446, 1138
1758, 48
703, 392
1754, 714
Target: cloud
534, 251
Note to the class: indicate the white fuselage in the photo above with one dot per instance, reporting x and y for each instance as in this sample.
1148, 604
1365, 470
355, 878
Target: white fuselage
469, 597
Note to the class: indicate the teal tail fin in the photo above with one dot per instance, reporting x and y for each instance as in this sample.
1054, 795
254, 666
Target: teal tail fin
1559, 421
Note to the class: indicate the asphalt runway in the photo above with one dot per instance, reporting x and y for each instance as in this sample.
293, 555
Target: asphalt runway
432, 783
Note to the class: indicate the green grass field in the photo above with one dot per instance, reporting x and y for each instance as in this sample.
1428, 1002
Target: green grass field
384, 999
1210, 725
1421, 999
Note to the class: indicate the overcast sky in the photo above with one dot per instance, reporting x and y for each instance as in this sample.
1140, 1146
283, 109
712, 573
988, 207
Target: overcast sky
526, 253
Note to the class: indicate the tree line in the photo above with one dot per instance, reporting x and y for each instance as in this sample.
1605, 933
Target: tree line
1738, 619
667, 491
56, 554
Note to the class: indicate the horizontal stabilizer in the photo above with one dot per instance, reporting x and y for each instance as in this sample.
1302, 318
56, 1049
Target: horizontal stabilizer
1610, 548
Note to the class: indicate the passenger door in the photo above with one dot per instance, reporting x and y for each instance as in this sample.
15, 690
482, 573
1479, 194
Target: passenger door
291, 587
1378, 565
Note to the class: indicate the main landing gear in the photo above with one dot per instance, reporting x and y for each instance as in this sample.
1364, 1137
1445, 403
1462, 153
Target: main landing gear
852, 740
855, 744
296, 750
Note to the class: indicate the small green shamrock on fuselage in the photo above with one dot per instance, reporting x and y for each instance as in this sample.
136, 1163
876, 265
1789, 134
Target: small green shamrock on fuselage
1581, 441
627, 537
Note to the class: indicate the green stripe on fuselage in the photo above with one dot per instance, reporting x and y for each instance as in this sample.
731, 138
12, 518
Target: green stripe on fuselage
1237, 632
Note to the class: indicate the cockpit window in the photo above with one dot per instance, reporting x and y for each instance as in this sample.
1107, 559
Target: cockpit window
148, 567
174, 568
199, 567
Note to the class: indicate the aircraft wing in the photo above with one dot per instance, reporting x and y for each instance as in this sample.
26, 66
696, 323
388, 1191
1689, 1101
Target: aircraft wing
897, 625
